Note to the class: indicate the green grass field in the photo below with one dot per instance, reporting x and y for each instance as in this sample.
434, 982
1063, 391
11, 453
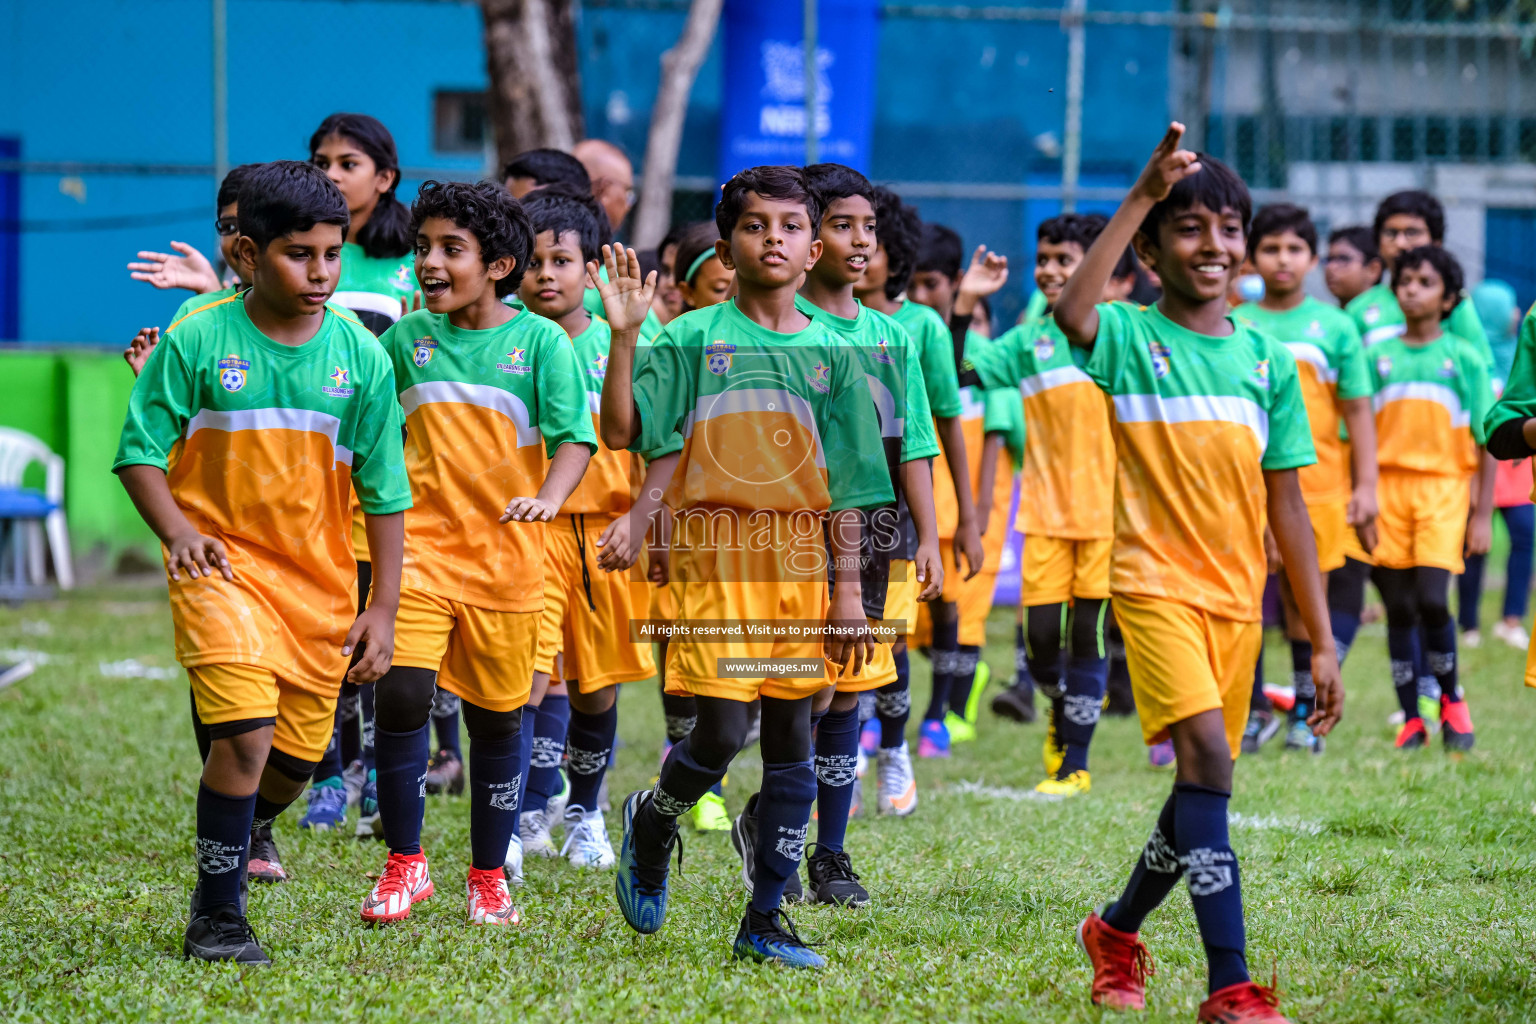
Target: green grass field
1383, 886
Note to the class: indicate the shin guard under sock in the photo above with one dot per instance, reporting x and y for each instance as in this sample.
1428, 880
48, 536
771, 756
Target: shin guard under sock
548, 751
1301, 680
588, 744
836, 760
893, 705
493, 786
783, 818
1080, 707
1157, 871
964, 677
682, 783
1215, 889
223, 839
402, 785
1402, 650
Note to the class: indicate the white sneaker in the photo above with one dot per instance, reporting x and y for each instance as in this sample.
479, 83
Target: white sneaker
1515, 636
1472, 639
352, 779
533, 826
514, 861
586, 840
897, 786
555, 810
861, 764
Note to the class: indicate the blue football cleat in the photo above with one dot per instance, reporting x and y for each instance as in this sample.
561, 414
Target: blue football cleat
641, 891
327, 806
765, 937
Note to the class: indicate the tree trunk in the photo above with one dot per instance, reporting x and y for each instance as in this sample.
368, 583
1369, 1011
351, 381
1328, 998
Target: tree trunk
679, 67
535, 91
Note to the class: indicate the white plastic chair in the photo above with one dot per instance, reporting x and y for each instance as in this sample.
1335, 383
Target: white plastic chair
18, 450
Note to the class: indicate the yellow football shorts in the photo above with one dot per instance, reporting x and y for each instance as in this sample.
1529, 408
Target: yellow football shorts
900, 607
1332, 532
1185, 661
972, 597
483, 656
231, 693
1422, 520
1055, 570
594, 637
720, 579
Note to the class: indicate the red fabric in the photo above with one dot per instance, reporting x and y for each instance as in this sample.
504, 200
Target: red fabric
1512, 484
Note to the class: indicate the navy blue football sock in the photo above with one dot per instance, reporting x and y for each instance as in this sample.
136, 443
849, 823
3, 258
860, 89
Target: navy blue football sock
525, 753
682, 782
893, 704
265, 811
1427, 683
365, 725
1153, 878
1440, 657
1080, 706
493, 786
223, 835
1344, 625
946, 645
445, 718
1402, 649
402, 776
548, 752
783, 818
837, 761
1301, 680
348, 717
588, 743
680, 711
331, 763
1210, 870
966, 660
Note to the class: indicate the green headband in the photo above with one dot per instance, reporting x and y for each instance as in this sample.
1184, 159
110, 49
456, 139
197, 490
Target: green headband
698, 261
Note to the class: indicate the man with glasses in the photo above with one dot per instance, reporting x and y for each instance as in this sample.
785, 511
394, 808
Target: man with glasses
613, 177
1352, 264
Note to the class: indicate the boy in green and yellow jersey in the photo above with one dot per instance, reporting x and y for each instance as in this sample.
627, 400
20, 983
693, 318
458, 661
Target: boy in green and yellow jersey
1210, 428
1340, 489
248, 431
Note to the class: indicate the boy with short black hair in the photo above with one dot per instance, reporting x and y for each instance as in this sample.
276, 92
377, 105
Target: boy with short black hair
936, 276
481, 385
536, 168
271, 389
1340, 489
1210, 428
1066, 497
1407, 220
781, 449
1432, 394
893, 576
590, 597
1352, 265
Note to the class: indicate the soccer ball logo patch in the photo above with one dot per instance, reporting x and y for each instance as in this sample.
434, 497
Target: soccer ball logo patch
1384, 367
1261, 373
718, 357
1160, 360
423, 351
1448, 368
1044, 348
232, 373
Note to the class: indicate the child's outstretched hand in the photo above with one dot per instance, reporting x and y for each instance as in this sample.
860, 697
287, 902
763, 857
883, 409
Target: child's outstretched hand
529, 510
375, 630
1169, 166
198, 555
138, 350
626, 297
1330, 692
620, 544
190, 270
987, 273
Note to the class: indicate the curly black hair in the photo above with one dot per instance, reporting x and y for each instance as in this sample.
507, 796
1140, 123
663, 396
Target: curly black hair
490, 213
561, 208
898, 229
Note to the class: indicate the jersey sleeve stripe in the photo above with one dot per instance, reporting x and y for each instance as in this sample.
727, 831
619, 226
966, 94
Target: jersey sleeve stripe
1378, 334
1424, 391
745, 401
482, 396
1048, 379
1306, 352
1195, 409
199, 309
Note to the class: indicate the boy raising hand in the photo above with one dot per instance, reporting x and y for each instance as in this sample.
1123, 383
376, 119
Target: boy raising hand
1210, 428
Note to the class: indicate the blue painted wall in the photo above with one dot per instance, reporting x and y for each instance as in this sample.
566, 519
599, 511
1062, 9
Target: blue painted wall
954, 101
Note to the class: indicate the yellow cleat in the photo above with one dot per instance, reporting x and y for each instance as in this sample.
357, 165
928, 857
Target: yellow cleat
1075, 784
960, 731
709, 814
1051, 751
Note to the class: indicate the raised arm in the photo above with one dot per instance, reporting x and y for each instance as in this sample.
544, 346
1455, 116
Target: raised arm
1076, 309
626, 300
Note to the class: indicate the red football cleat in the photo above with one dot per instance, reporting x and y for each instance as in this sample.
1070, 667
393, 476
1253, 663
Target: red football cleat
1413, 734
1455, 724
1121, 964
405, 882
1243, 1003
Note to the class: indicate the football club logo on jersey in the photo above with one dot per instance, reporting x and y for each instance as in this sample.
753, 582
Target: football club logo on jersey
599, 367
424, 349
718, 357
882, 352
514, 363
1044, 348
1160, 354
1372, 314
340, 386
1384, 367
1315, 329
1261, 373
402, 279
232, 372
817, 377
1448, 368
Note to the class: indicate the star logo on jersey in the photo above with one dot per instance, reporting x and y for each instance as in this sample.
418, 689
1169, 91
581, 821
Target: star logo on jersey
1372, 314
402, 279
1160, 358
599, 367
1384, 367
1448, 368
340, 386
882, 352
718, 357
233, 372
1315, 329
423, 352
514, 363
1044, 348
817, 377
1261, 373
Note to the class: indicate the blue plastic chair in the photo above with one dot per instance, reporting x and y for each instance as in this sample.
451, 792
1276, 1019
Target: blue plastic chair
31, 521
